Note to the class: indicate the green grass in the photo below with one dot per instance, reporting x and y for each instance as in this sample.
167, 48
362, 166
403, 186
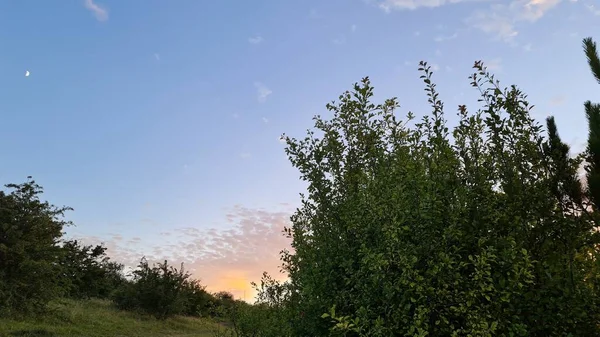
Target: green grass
98, 318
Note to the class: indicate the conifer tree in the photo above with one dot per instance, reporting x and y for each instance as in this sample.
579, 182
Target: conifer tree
565, 183
592, 111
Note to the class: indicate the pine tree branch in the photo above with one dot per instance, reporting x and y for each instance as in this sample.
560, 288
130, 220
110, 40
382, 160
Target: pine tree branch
592, 112
592, 56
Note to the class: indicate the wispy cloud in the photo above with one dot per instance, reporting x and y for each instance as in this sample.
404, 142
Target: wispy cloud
389, 5
501, 20
494, 64
557, 100
255, 39
443, 38
262, 92
265, 120
245, 155
339, 40
353, 28
495, 23
157, 56
532, 10
99, 11
593, 9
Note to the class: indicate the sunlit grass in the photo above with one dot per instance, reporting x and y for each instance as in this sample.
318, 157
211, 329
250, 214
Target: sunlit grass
98, 318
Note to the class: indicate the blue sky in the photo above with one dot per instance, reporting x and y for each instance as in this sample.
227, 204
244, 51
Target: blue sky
158, 121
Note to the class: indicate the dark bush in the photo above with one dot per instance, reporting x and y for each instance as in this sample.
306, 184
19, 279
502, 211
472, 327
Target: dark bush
87, 272
197, 299
162, 291
30, 230
125, 297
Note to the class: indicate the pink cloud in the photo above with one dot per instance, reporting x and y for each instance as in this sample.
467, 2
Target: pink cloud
100, 12
223, 259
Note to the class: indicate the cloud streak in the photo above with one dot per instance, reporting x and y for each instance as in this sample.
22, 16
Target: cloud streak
389, 5
443, 38
100, 12
262, 92
256, 39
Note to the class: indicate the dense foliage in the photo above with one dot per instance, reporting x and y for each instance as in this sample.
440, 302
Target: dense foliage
268, 317
162, 291
481, 229
30, 231
88, 272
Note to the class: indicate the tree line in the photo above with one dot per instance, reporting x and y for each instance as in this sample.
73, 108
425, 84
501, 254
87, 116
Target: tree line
39, 264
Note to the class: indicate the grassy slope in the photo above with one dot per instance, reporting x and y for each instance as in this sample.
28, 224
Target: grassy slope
97, 318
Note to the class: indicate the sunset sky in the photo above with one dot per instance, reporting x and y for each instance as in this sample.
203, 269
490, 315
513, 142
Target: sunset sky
159, 121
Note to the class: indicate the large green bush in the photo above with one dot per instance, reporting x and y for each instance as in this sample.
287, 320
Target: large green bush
417, 228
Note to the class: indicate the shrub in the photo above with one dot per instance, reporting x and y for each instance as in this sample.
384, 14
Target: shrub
268, 317
158, 290
87, 271
197, 299
30, 230
126, 296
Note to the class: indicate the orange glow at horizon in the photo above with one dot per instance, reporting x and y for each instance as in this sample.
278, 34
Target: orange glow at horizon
227, 259
237, 283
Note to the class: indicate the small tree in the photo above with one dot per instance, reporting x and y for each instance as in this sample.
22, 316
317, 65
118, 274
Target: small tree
159, 290
30, 231
88, 272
